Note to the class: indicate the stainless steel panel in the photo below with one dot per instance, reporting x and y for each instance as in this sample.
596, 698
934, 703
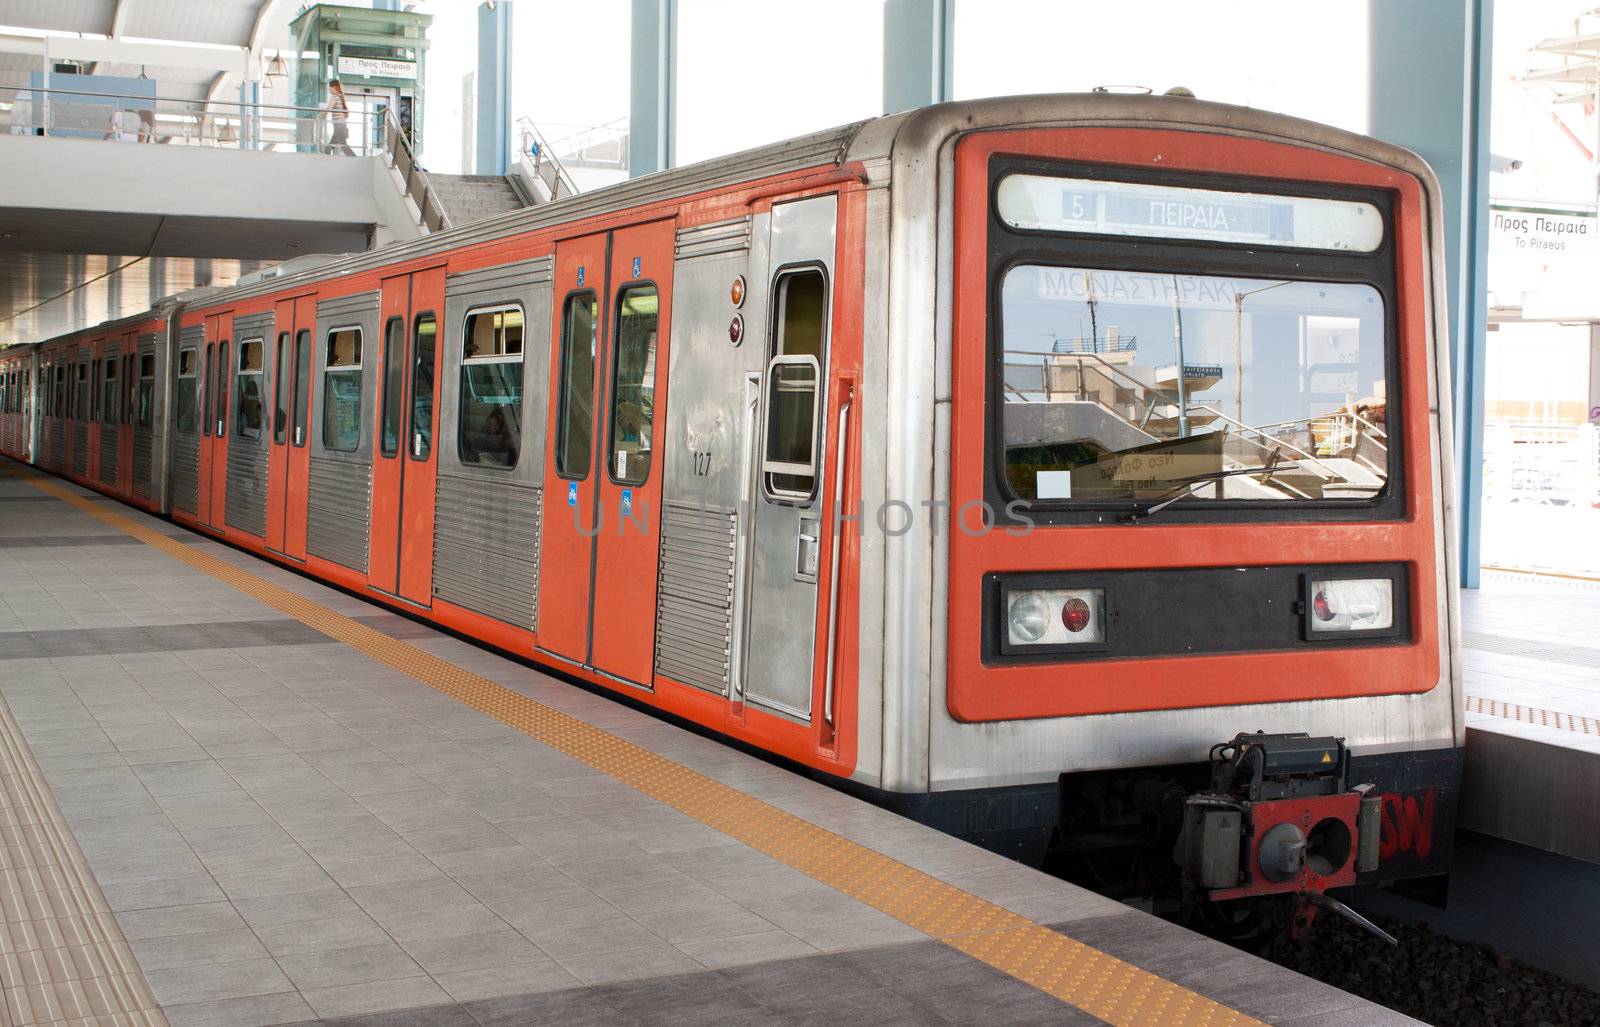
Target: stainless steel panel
185, 469
145, 439
486, 547
694, 598
80, 447
338, 521
780, 616
58, 442
110, 453
246, 502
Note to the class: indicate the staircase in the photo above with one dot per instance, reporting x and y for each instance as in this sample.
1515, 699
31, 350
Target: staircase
469, 198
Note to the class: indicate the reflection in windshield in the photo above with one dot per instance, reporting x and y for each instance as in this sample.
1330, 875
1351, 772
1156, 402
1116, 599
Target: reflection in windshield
1273, 371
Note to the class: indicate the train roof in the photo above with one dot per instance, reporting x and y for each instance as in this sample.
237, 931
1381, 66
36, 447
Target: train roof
883, 145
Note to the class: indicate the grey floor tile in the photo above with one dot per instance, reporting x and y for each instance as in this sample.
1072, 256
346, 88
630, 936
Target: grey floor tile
197, 949
656, 960
251, 1011
428, 1016
203, 918
342, 932
583, 1007
335, 967
472, 951
348, 1000
272, 910
213, 981
689, 999
161, 893
523, 978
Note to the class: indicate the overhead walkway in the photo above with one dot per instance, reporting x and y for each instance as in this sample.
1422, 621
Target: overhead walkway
246, 797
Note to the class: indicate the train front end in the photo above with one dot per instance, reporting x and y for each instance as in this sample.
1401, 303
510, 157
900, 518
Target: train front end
1197, 569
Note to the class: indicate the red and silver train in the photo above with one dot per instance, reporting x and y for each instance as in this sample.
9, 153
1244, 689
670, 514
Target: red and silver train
1066, 471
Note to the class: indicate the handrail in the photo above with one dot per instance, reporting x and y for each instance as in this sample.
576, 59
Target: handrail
1273, 439
184, 100
429, 210
559, 182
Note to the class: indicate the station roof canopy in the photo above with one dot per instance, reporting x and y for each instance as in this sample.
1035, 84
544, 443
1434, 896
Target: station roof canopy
194, 49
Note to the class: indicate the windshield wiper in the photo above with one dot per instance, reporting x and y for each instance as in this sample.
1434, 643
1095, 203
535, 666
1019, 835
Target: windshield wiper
1142, 511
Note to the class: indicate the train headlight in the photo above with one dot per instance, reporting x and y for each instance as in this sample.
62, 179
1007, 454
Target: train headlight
1355, 604
1054, 616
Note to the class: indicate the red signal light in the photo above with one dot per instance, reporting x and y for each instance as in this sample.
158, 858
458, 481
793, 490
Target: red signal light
1319, 605
1075, 614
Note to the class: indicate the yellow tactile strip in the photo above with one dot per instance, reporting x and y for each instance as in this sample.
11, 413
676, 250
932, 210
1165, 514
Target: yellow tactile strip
63, 959
1100, 984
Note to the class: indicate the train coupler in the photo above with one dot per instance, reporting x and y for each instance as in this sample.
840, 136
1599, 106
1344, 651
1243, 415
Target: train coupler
1278, 819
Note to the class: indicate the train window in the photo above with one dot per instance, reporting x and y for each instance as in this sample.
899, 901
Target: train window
221, 380
1140, 386
394, 350
207, 393
147, 390
794, 380
490, 426
280, 390
85, 395
422, 367
96, 374
580, 335
250, 388
5, 392
633, 385
302, 385
58, 406
341, 391
111, 395
187, 396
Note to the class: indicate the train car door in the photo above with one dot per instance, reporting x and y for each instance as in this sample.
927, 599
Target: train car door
783, 533
601, 530
214, 425
567, 529
400, 559
288, 459
629, 433
130, 412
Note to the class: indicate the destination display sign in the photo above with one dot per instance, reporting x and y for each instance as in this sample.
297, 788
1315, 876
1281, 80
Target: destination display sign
376, 67
1048, 203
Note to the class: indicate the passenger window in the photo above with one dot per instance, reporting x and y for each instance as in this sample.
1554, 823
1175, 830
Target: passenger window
58, 407
633, 386
147, 389
302, 385
394, 347
341, 391
489, 431
208, 390
222, 388
280, 391
427, 333
794, 383
251, 372
580, 334
110, 411
188, 389
129, 389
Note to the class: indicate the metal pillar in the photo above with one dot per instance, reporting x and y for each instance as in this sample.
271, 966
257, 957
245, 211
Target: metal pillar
1429, 81
918, 62
385, 5
493, 126
653, 86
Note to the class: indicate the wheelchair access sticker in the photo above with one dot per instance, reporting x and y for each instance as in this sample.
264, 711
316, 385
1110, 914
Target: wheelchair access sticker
572, 493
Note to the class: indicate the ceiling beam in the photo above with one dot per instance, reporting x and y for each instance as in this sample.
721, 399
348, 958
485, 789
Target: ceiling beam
119, 19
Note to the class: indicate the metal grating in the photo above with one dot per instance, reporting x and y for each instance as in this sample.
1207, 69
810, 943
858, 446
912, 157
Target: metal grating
486, 547
110, 453
339, 507
713, 240
694, 602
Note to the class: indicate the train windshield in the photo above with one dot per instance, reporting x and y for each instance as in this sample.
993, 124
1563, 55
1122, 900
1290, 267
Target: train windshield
1138, 385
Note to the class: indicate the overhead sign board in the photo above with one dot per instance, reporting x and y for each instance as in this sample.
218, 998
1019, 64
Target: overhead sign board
376, 67
1544, 262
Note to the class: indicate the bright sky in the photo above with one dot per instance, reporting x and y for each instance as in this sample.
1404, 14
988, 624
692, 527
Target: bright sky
755, 71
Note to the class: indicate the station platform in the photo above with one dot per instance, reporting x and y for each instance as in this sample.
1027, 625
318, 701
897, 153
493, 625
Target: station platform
1531, 655
235, 796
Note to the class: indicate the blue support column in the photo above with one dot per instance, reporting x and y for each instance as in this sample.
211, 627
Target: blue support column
1429, 82
493, 132
917, 53
385, 5
653, 86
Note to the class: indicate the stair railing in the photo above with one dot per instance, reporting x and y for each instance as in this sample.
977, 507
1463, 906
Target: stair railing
398, 149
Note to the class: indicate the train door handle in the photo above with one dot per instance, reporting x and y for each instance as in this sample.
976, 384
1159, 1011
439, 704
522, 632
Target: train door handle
299, 436
416, 444
806, 549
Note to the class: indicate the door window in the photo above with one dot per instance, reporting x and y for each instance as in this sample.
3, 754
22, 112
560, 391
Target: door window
84, 395
794, 384
423, 348
490, 428
280, 402
633, 386
252, 367
207, 390
394, 345
341, 391
580, 334
222, 388
130, 386
302, 385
